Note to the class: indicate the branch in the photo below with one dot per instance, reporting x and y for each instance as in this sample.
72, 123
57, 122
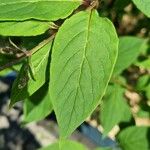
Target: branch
26, 54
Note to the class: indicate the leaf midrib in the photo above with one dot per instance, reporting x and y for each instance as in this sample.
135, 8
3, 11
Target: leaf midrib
37, 68
81, 66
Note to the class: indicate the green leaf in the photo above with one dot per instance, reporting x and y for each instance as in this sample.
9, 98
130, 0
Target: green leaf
38, 106
134, 138
51, 10
114, 108
144, 64
142, 82
20, 85
39, 62
143, 5
83, 58
143, 113
5, 72
24, 28
129, 49
147, 90
65, 145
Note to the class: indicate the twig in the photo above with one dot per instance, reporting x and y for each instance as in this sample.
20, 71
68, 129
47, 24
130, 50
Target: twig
11, 63
93, 4
22, 56
122, 84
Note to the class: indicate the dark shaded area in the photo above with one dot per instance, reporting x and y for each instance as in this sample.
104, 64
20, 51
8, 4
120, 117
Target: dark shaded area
148, 136
14, 137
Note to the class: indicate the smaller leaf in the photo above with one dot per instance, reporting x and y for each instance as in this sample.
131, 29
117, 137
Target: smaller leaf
143, 113
129, 49
20, 85
38, 106
134, 138
144, 64
24, 28
114, 108
65, 145
143, 82
147, 90
40, 61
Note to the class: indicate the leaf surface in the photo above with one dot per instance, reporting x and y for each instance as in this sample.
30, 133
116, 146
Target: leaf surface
20, 85
38, 106
134, 138
145, 64
65, 145
39, 63
39, 66
36, 9
24, 28
83, 58
114, 108
129, 49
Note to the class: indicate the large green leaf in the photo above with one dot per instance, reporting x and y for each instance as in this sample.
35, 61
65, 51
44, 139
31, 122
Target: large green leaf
114, 108
83, 58
143, 5
36, 9
65, 145
38, 106
24, 28
134, 138
129, 49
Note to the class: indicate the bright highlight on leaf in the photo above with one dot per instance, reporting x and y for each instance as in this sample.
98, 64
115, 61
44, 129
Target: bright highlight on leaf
83, 58
51, 10
24, 28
